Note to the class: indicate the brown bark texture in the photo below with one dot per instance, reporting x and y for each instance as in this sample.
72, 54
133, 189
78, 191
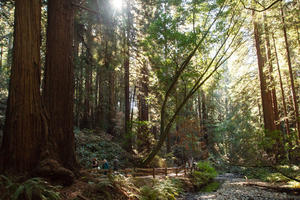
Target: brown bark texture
127, 134
59, 80
287, 48
272, 82
143, 131
286, 120
268, 114
25, 125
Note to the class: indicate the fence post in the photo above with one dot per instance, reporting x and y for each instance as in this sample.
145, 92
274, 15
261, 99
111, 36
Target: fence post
184, 170
176, 171
153, 172
166, 171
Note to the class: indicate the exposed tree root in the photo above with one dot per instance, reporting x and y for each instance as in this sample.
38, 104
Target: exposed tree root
51, 169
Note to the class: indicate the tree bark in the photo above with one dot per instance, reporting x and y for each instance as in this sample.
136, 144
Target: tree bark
279, 145
111, 99
286, 120
25, 131
59, 80
270, 61
287, 48
128, 136
268, 114
1, 56
143, 132
86, 119
78, 80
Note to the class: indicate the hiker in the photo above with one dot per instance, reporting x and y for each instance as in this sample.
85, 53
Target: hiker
115, 164
105, 165
95, 163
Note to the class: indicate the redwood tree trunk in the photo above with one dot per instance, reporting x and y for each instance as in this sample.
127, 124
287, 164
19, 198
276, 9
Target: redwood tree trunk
286, 120
279, 144
143, 132
1, 56
25, 125
128, 136
295, 103
268, 113
269, 61
86, 119
59, 80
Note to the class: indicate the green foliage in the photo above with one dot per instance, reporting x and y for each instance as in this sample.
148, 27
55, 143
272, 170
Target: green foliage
162, 190
34, 188
211, 187
256, 173
204, 174
207, 168
89, 146
158, 162
112, 188
272, 175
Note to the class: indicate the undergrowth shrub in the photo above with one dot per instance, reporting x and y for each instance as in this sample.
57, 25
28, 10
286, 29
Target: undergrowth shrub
89, 145
272, 175
117, 186
158, 162
31, 189
167, 189
203, 175
213, 186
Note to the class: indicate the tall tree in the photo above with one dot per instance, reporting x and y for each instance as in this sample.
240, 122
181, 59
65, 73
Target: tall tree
59, 80
143, 132
127, 31
25, 126
269, 61
286, 119
228, 35
288, 56
269, 119
86, 119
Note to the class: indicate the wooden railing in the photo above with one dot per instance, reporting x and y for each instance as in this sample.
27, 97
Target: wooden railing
135, 172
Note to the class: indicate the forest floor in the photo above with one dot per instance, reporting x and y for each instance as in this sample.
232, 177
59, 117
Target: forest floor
232, 187
237, 188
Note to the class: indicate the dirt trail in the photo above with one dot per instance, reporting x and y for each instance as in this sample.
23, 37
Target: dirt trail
237, 188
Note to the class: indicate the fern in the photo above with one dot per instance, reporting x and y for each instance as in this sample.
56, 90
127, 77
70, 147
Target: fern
28, 189
204, 174
162, 190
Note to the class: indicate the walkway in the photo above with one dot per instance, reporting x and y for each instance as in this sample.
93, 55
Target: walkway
236, 188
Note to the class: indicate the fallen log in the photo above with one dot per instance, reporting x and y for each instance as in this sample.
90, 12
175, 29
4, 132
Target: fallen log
273, 187
271, 167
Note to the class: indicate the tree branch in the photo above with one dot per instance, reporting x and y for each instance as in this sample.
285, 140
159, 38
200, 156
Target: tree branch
264, 8
85, 8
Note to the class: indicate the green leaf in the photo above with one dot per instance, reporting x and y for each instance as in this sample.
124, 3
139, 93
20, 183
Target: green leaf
18, 192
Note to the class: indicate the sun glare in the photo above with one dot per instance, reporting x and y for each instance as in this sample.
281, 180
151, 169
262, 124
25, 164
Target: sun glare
117, 4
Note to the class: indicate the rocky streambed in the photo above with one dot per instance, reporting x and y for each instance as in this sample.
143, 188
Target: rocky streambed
237, 188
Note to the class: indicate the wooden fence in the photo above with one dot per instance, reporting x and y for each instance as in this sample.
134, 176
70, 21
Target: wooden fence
136, 172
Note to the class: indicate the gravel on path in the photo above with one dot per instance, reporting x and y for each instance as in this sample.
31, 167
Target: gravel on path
234, 188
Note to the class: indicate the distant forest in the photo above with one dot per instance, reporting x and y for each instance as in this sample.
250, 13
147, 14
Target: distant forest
166, 80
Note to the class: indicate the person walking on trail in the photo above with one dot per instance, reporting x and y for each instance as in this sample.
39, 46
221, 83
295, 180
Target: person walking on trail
105, 165
95, 163
115, 164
